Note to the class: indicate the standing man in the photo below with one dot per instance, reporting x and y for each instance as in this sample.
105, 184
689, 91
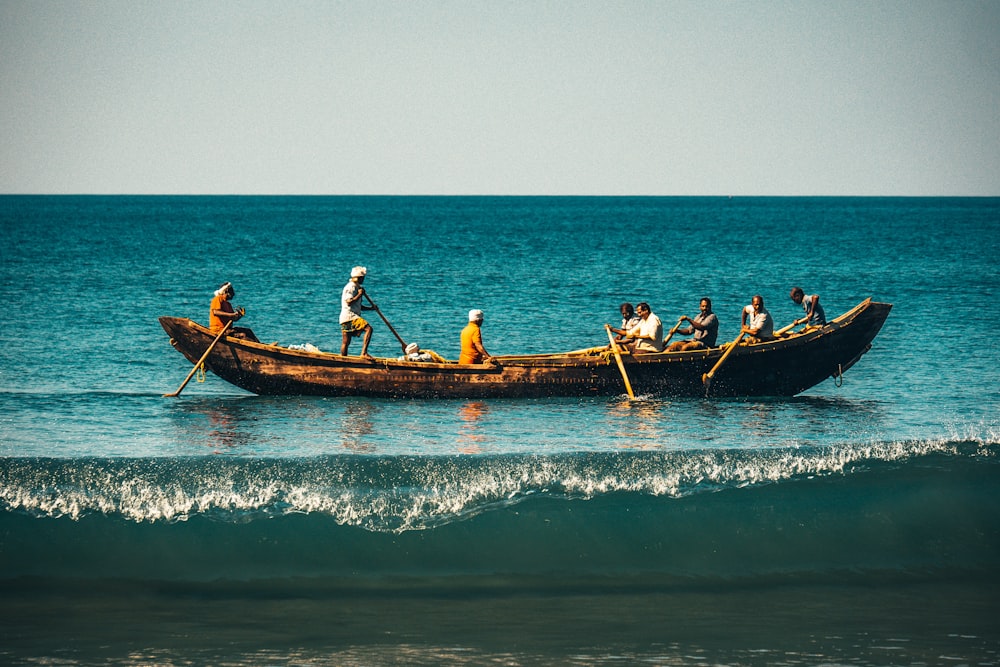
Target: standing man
473, 351
815, 315
758, 323
704, 326
351, 322
647, 336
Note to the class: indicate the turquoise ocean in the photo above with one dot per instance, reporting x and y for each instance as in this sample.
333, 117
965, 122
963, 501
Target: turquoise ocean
856, 524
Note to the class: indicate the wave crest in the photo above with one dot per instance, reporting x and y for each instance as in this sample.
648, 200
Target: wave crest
415, 493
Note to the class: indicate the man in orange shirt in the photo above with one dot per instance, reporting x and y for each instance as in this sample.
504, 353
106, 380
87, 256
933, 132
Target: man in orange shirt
221, 312
473, 351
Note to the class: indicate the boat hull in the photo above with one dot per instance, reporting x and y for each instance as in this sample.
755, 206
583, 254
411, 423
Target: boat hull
784, 367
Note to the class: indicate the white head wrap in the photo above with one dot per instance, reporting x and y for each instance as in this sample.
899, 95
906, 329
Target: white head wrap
359, 272
225, 288
412, 348
475, 315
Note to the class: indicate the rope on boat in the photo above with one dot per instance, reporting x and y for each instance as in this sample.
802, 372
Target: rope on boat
838, 378
200, 377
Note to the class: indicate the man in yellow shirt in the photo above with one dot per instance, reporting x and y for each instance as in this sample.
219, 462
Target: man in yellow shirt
473, 351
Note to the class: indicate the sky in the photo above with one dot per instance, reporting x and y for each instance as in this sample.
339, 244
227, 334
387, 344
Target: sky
500, 98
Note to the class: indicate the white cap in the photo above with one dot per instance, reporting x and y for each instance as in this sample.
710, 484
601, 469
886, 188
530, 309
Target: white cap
358, 272
475, 315
412, 347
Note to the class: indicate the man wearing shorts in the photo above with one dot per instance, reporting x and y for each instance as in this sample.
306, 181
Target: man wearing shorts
351, 322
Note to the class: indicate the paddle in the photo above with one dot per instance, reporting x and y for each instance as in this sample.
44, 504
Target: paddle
200, 361
672, 332
621, 364
402, 342
706, 379
788, 328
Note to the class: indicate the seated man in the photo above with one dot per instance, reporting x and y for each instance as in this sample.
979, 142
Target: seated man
815, 315
629, 320
473, 351
758, 325
221, 312
647, 336
705, 327
414, 353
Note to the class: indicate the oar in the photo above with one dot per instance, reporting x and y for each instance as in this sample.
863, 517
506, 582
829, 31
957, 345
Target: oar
672, 332
402, 342
200, 361
706, 379
788, 328
621, 364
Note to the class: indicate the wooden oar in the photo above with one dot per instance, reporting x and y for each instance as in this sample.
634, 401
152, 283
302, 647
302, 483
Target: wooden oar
200, 361
706, 379
788, 328
621, 364
672, 332
402, 342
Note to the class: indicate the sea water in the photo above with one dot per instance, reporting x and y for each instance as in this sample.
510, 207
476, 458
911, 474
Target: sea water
858, 523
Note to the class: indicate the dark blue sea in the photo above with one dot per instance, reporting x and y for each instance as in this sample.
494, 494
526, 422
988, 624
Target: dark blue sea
855, 524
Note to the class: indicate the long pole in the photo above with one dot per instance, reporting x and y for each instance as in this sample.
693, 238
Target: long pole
200, 361
621, 364
788, 328
398, 337
672, 332
706, 379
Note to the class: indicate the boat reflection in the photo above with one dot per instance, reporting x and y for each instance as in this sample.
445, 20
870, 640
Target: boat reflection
470, 435
227, 424
357, 424
638, 424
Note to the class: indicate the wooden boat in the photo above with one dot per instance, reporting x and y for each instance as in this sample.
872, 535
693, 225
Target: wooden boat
782, 367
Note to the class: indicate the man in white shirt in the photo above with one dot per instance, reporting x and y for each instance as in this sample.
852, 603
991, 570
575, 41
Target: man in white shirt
629, 320
351, 322
758, 324
647, 336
